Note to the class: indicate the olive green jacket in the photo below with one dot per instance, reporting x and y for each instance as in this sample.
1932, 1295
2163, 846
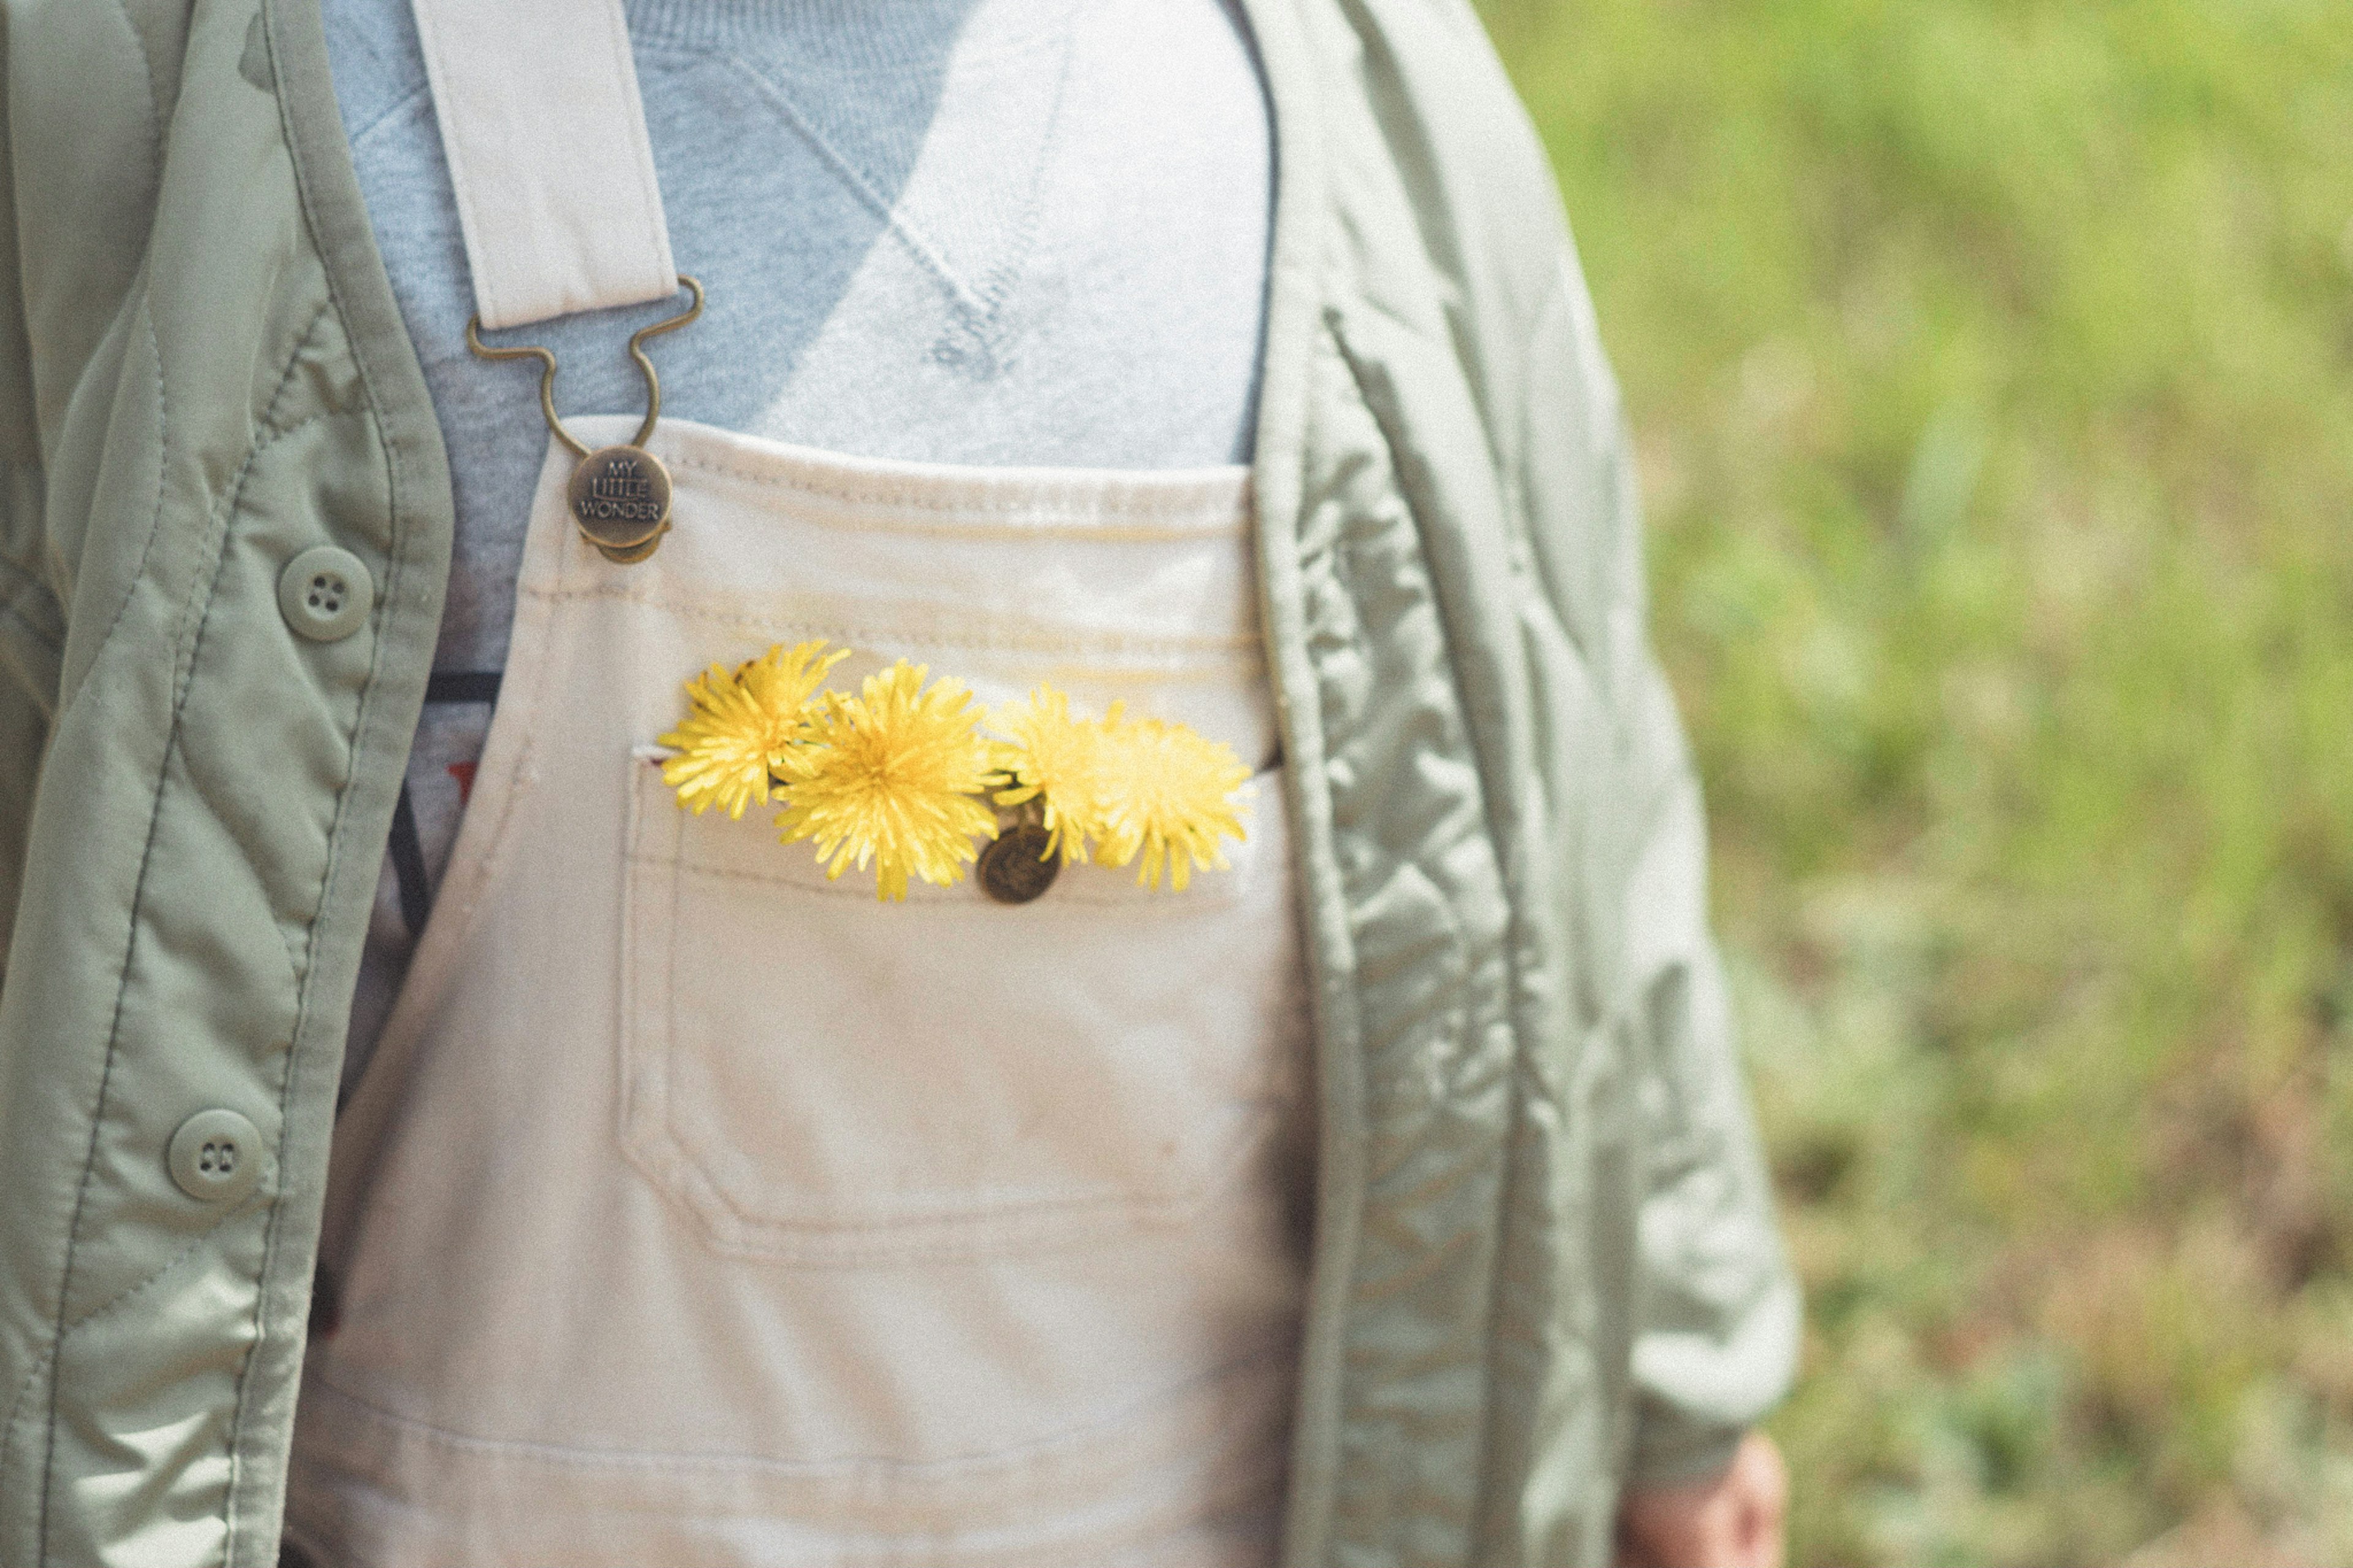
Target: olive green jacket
1545, 1262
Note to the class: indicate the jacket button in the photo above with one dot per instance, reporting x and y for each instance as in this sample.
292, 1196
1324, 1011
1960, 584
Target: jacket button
325, 594
215, 1156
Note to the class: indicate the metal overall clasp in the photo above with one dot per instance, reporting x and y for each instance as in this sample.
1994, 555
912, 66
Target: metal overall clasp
620, 496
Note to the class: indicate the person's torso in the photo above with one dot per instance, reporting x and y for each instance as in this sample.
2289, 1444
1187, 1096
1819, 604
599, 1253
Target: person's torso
695, 1207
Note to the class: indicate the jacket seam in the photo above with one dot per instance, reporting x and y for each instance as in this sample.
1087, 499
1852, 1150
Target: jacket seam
270, 436
163, 465
297, 967
208, 585
163, 453
304, 994
162, 443
147, 75
329, 253
97, 1120
121, 1298
272, 429
23, 1390
131, 933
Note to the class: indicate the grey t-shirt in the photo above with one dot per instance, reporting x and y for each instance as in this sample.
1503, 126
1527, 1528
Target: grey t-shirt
1026, 232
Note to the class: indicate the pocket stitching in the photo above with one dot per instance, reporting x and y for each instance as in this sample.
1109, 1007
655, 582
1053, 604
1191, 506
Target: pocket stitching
671, 1158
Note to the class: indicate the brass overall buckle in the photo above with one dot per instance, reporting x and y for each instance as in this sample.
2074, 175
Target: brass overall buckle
620, 496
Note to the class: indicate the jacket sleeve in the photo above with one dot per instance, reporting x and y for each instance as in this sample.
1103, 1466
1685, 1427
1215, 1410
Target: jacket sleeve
32, 626
1714, 1311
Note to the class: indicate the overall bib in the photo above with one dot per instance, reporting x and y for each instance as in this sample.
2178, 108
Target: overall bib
697, 1209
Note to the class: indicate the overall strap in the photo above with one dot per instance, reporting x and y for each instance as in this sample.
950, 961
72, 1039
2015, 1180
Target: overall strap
546, 144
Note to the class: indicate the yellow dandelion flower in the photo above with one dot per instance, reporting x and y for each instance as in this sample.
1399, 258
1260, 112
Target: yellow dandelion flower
1167, 799
739, 724
1058, 762
893, 775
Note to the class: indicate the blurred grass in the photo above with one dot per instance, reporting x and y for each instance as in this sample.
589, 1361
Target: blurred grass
1991, 365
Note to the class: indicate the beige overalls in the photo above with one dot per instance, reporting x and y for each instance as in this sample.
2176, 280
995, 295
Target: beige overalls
695, 1209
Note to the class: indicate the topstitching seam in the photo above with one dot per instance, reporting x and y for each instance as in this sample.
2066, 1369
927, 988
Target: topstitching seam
163, 426
553, 1454
217, 540
1165, 655
272, 429
154, 97
217, 520
1215, 516
162, 463
641, 147
395, 572
454, 158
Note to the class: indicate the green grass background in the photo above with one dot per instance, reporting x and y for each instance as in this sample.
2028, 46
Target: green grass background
1991, 368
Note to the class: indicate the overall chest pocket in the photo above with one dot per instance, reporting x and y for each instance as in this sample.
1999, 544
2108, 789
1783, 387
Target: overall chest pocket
820, 1077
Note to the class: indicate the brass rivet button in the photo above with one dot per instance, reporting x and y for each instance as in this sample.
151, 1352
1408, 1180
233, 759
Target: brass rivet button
215, 1156
325, 594
620, 498
1016, 866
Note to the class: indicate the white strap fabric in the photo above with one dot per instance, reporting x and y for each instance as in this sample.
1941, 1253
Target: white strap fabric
546, 142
